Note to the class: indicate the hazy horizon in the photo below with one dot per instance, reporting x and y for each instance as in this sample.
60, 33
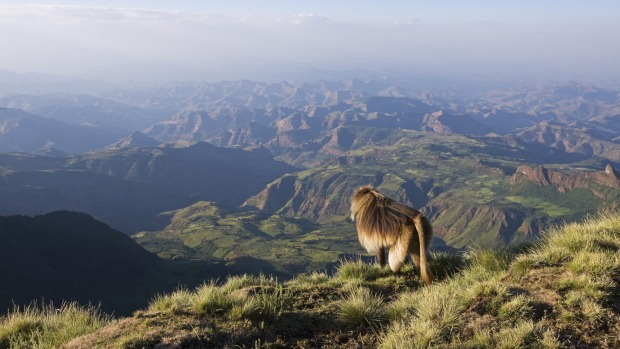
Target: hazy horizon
154, 40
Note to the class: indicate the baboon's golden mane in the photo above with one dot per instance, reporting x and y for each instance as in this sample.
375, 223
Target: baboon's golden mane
378, 214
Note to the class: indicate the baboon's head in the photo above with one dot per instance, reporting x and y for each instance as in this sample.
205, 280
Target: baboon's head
362, 198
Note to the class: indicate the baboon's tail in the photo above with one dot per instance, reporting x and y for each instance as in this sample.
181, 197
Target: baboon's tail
427, 276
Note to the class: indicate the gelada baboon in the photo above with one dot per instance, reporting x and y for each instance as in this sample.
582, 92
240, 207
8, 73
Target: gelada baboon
384, 222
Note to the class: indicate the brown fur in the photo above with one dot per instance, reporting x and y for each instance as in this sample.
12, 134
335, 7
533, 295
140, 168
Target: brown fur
384, 222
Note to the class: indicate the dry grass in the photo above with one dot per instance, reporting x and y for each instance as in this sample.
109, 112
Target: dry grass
47, 326
362, 308
357, 270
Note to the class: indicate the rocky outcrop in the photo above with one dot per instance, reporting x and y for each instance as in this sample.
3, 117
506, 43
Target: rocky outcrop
566, 182
442, 122
538, 175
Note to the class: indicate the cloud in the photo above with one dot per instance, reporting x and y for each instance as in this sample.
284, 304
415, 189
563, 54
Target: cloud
79, 39
304, 18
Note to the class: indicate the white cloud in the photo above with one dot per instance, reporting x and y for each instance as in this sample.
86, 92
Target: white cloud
303, 18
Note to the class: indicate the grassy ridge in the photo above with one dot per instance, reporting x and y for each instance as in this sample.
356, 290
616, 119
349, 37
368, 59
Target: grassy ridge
560, 293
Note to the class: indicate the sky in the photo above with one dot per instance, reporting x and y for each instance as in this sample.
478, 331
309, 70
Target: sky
215, 40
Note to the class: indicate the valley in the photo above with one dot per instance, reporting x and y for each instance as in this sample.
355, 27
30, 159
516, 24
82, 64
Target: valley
259, 175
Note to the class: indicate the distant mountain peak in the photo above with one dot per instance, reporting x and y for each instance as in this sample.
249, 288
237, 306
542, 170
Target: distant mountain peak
136, 140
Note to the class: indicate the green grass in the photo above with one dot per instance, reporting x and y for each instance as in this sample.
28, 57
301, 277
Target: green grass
489, 260
360, 270
238, 282
547, 207
361, 307
211, 299
45, 326
516, 308
175, 302
289, 245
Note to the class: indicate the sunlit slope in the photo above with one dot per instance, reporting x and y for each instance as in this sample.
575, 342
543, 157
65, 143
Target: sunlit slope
561, 293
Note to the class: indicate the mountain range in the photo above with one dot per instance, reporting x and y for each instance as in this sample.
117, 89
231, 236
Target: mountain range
261, 174
127, 187
24, 132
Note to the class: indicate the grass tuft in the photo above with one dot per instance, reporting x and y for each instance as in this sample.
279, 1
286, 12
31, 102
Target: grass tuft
491, 261
136, 341
522, 265
47, 326
490, 294
271, 302
176, 302
517, 308
593, 263
521, 335
312, 279
404, 305
410, 335
362, 308
593, 312
358, 270
438, 309
234, 283
550, 340
424, 317
211, 299
246, 309
444, 265
482, 339
593, 288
